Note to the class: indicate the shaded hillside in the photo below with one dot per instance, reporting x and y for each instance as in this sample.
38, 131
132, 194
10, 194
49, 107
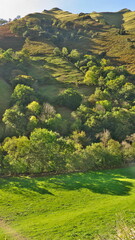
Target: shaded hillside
9, 39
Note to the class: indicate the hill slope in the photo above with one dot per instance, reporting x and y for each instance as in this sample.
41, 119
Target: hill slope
94, 32
106, 34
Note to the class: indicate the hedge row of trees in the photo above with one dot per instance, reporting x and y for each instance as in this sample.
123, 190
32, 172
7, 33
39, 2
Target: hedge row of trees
47, 151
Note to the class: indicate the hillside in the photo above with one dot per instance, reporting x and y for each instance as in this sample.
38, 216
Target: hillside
67, 126
72, 74
93, 32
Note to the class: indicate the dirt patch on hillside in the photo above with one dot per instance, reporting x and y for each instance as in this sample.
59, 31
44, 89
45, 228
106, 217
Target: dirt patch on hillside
11, 232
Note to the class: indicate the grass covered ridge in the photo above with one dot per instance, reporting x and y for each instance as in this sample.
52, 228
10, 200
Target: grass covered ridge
73, 206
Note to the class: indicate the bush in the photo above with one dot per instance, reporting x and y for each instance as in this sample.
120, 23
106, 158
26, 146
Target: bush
57, 51
69, 98
22, 79
74, 55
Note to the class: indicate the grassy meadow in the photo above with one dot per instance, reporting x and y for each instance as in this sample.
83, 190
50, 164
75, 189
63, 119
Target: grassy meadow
74, 206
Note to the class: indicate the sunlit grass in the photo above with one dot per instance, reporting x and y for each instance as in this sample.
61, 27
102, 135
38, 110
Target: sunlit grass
73, 206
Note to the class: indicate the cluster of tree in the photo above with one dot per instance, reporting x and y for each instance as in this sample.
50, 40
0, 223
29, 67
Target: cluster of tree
41, 26
47, 151
3, 21
69, 98
73, 55
28, 111
100, 133
111, 106
13, 63
16, 57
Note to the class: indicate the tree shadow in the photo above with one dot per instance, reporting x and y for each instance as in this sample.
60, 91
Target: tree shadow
101, 182
24, 186
128, 172
97, 182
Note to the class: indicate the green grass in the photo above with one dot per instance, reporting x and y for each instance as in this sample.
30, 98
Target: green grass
55, 74
110, 17
129, 21
74, 206
62, 70
4, 236
54, 69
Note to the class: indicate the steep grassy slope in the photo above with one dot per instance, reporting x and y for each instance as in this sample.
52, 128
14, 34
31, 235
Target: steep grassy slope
74, 206
109, 18
98, 32
129, 21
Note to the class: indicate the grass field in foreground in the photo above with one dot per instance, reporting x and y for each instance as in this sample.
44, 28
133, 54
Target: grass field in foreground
73, 206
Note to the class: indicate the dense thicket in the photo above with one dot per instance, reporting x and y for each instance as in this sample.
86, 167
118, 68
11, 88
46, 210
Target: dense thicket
100, 133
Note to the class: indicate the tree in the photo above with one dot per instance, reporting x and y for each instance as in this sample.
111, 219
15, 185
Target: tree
69, 98
74, 55
107, 105
44, 147
34, 107
104, 62
57, 51
2, 162
23, 95
128, 91
23, 79
115, 84
3, 21
92, 76
58, 124
48, 111
17, 154
104, 137
32, 124
15, 119
114, 149
79, 139
128, 150
65, 52
19, 27
23, 56
8, 55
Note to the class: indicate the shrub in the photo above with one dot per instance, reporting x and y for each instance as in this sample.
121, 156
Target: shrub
56, 51
22, 79
70, 98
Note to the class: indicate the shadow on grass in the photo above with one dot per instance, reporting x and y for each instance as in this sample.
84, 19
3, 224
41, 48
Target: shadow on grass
112, 182
23, 186
97, 182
